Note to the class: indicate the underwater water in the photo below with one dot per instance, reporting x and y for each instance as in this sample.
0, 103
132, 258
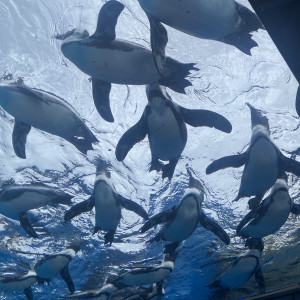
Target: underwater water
226, 80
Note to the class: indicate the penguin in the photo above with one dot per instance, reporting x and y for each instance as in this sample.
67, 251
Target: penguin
140, 293
241, 269
109, 60
271, 214
165, 124
149, 275
263, 161
52, 264
17, 200
222, 20
180, 221
99, 294
298, 101
45, 111
108, 204
16, 283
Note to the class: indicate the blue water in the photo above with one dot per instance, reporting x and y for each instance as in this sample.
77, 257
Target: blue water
226, 80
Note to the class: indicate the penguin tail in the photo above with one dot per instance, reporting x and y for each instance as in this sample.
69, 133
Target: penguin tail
82, 144
63, 199
176, 80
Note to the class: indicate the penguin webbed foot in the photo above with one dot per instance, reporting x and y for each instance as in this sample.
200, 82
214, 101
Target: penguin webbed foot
156, 165
109, 237
253, 203
80, 143
40, 280
168, 170
28, 293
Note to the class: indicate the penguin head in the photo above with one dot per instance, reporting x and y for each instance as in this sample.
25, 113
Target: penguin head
73, 35
194, 182
102, 167
156, 91
255, 243
257, 118
259, 131
107, 20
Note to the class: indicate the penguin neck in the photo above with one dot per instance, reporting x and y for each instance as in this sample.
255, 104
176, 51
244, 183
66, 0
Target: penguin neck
158, 104
259, 131
197, 193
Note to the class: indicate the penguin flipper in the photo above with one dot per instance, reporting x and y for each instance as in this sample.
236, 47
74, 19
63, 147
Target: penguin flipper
101, 90
214, 227
79, 208
289, 165
25, 223
159, 40
132, 136
162, 217
202, 117
19, 138
250, 215
28, 293
260, 280
133, 206
107, 21
234, 161
66, 276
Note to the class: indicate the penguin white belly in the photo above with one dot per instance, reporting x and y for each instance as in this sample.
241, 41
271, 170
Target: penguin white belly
28, 200
209, 19
48, 116
182, 226
261, 170
52, 266
164, 134
108, 212
111, 64
16, 285
239, 273
275, 216
144, 278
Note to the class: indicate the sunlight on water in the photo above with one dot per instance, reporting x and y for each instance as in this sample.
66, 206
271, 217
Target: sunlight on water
226, 80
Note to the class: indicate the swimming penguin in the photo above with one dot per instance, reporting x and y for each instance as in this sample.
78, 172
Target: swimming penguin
17, 200
149, 275
180, 221
109, 60
271, 214
52, 264
108, 205
240, 270
263, 161
16, 283
45, 111
165, 124
139, 293
222, 20
99, 294
298, 101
